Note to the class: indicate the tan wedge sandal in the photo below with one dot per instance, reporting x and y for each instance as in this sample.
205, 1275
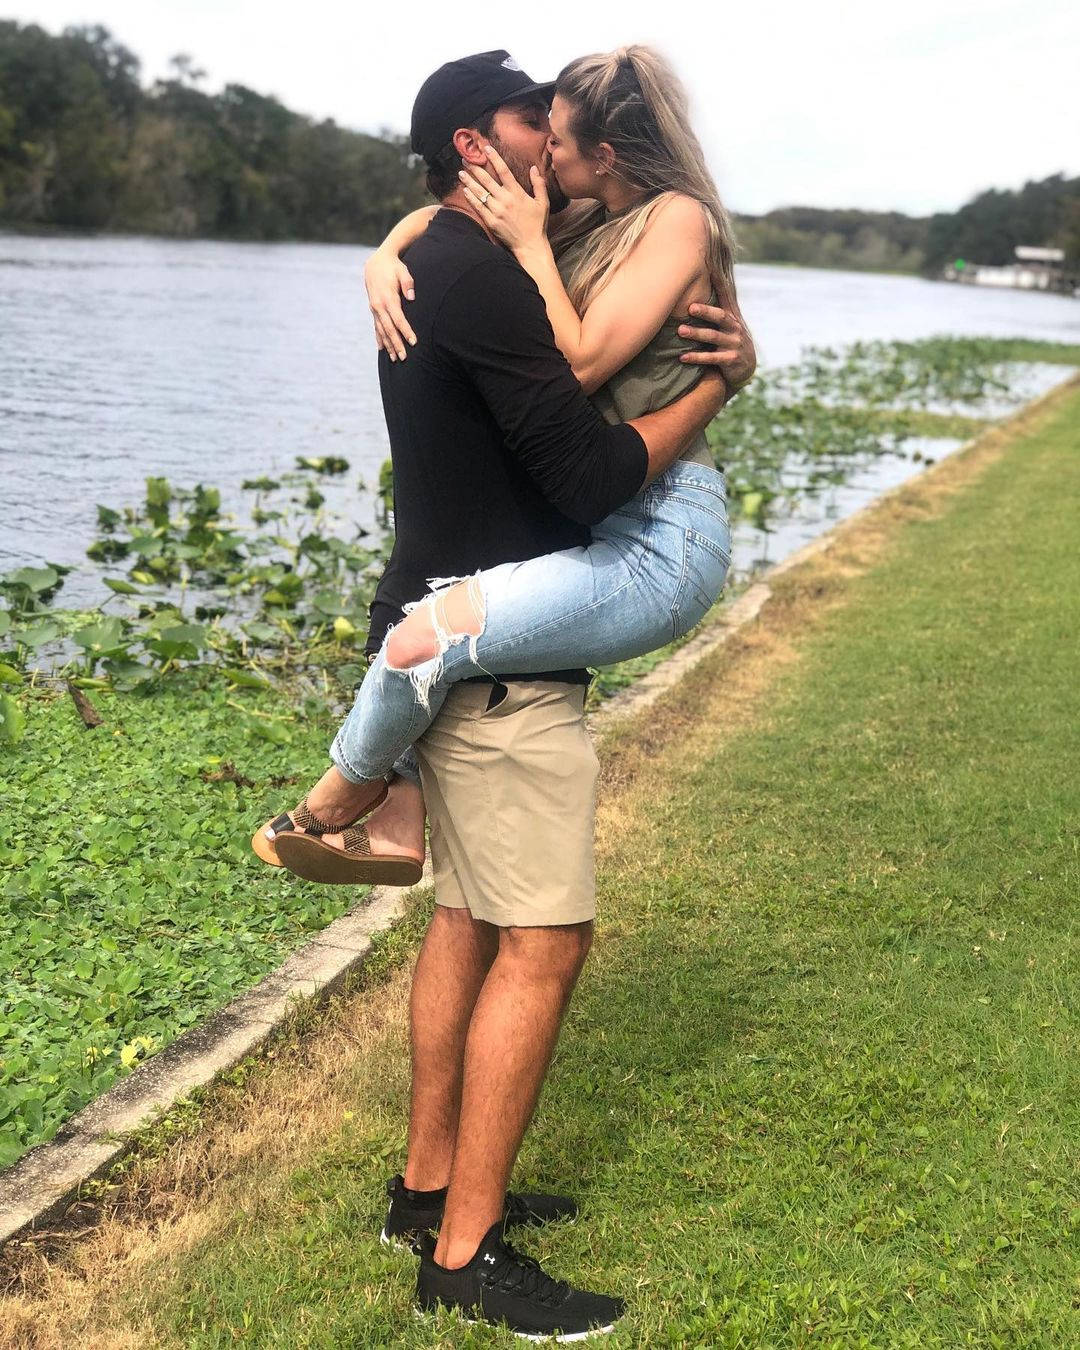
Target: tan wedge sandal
353, 865
265, 848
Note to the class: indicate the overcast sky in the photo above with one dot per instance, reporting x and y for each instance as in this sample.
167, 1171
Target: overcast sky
912, 107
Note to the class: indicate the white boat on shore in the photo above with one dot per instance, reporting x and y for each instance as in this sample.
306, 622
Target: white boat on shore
1036, 269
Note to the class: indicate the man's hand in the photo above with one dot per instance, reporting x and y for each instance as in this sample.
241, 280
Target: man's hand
733, 353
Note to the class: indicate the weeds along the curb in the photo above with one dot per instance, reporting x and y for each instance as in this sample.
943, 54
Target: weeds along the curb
86, 1203
393, 946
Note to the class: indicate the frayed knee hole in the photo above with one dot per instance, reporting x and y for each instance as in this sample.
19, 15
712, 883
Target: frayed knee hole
411, 644
460, 611
445, 617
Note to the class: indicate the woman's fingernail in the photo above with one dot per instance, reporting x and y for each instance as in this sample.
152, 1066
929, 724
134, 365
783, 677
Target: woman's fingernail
410, 295
412, 342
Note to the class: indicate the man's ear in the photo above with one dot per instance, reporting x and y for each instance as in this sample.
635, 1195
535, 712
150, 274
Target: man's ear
468, 143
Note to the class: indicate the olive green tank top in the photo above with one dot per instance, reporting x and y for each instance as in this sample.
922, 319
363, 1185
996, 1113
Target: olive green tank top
652, 379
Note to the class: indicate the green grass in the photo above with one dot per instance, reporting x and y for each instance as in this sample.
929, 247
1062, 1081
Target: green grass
131, 906
819, 1085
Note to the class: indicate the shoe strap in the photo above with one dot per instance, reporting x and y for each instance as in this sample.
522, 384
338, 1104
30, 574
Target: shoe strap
307, 820
356, 841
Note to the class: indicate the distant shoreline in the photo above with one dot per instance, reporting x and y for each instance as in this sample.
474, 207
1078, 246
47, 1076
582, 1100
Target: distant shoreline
35, 231
25, 230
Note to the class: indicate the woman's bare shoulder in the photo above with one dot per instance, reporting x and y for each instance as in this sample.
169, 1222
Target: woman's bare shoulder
678, 214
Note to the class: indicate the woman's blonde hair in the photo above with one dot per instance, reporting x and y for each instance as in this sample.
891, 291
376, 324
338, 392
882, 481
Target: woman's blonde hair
633, 100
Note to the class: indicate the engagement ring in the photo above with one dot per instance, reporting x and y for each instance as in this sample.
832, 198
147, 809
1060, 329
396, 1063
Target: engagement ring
483, 199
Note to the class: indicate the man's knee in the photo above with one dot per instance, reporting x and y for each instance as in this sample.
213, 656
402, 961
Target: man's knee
452, 924
559, 949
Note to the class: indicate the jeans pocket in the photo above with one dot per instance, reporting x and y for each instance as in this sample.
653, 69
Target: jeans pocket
692, 481
712, 481
704, 571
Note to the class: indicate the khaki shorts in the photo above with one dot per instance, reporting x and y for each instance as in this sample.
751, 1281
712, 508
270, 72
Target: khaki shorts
511, 800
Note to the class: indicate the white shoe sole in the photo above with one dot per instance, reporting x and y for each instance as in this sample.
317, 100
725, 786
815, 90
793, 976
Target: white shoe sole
395, 1243
561, 1337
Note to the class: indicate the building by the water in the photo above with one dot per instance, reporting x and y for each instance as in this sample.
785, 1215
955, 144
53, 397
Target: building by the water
1035, 269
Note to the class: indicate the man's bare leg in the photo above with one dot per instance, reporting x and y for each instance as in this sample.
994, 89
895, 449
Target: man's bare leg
454, 960
511, 1037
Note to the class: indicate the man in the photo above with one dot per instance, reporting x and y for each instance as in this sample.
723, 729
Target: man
498, 456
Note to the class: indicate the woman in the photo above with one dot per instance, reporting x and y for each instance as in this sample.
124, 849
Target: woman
655, 240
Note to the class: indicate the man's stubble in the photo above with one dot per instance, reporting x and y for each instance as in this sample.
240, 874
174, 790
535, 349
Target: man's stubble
519, 166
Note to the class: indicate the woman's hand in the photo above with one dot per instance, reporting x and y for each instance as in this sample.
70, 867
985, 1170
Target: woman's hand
516, 218
387, 280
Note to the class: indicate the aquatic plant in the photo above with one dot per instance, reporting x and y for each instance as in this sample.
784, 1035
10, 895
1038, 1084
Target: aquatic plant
282, 593
250, 598
796, 430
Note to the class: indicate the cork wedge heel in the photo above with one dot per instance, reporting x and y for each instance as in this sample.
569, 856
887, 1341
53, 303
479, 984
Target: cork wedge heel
354, 865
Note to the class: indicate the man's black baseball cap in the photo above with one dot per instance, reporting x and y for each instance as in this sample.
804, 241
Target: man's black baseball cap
461, 92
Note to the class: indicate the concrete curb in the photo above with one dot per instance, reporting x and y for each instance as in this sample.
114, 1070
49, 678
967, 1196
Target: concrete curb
38, 1189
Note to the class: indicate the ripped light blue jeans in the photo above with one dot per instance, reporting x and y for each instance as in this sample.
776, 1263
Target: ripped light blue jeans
653, 570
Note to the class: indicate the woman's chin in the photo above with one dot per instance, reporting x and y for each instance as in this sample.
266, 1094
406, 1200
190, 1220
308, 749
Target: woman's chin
583, 196
563, 195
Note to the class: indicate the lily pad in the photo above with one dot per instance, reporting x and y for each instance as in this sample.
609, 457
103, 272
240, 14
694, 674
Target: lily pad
12, 720
36, 579
45, 630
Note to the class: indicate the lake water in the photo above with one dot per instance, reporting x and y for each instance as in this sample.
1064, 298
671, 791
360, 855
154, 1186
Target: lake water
212, 362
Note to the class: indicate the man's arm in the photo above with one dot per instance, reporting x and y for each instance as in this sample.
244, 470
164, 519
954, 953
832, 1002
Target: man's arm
493, 321
493, 324
669, 431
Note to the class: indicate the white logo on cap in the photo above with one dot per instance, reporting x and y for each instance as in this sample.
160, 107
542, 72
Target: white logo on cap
510, 64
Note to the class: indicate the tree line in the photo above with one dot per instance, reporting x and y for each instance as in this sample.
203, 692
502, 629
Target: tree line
985, 230
84, 145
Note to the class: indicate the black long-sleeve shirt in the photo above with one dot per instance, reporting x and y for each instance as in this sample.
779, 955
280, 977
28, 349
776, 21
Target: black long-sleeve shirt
498, 455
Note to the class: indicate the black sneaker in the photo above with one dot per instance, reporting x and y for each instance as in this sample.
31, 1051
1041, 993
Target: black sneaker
499, 1285
414, 1212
